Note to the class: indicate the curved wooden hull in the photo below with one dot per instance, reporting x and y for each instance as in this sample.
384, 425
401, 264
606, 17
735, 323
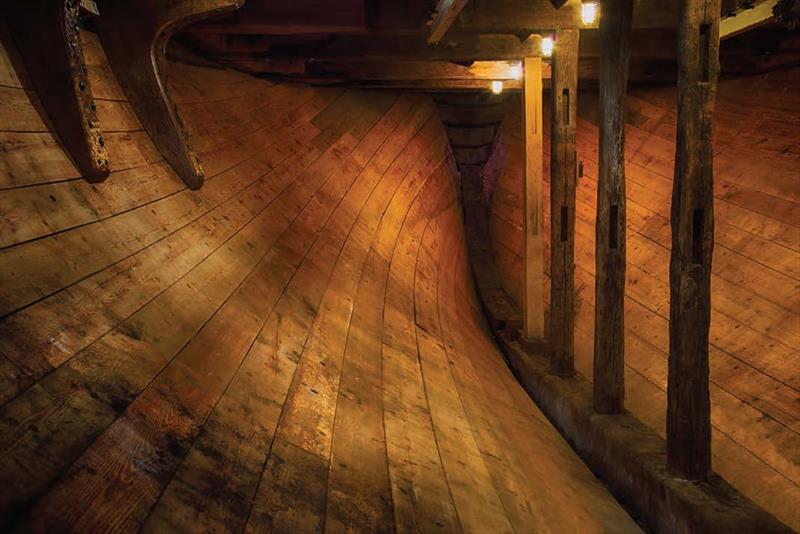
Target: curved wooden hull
295, 346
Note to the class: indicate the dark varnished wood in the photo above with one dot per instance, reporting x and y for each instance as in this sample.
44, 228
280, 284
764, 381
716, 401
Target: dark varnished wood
611, 227
563, 174
692, 221
46, 34
135, 35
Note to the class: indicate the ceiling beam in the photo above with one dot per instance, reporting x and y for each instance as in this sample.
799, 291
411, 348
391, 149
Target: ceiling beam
530, 16
444, 16
455, 47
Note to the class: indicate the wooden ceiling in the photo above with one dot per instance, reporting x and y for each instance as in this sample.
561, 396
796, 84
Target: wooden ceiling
385, 43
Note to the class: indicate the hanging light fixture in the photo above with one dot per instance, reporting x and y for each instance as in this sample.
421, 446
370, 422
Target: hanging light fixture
547, 46
588, 12
497, 87
516, 71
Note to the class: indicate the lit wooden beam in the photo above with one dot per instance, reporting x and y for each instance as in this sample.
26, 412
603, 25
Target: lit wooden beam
609, 324
747, 19
455, 47
445, 15
563, 174
527, 16
533, 306
479, 73
688, 401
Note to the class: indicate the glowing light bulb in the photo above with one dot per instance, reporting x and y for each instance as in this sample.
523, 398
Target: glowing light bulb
516, 71
547, 46
588, 12
497, 87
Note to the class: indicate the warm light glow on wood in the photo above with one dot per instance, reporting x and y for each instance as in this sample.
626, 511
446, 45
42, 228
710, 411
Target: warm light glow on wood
547, 46
588, 12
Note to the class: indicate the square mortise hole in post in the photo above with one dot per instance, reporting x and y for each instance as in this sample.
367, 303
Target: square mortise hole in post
698, 223
612, 226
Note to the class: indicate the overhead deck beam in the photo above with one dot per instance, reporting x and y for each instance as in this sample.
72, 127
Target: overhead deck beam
688, 400
515, 16
384, 47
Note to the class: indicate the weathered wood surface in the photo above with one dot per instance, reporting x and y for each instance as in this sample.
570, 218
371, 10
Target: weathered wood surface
46, 35
295, 347
755, 315
563, 175
692, 222
610, 228
135, 35
533, 207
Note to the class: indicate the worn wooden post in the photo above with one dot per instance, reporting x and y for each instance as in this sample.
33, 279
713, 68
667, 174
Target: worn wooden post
688, 405
609, 317
533, 312
563, 173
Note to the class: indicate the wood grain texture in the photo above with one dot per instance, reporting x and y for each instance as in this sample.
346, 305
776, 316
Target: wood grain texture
294, 347
692, 221
753, 337
533, 307
610, 228
563, 175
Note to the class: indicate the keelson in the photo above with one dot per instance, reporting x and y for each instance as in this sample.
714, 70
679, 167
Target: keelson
336, 265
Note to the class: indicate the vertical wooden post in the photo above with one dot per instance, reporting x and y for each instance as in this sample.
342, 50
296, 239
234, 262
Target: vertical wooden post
533, 312
609, 317
688, 405
563, 174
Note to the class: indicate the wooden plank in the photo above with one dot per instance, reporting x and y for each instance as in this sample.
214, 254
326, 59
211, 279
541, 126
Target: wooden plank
445, 14
420, 494
611, 225
746, 19
533, 327
152, 348
563, 176
688, 403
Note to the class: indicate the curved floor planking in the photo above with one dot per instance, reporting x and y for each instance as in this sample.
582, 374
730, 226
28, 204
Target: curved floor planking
294, 347
755, 329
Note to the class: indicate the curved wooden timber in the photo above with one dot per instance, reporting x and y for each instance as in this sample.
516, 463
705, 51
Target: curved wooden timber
755, 319
295, 347
46, 33
135, 34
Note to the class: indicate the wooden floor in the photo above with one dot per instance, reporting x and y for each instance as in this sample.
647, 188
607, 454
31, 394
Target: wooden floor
755, 330
295, 347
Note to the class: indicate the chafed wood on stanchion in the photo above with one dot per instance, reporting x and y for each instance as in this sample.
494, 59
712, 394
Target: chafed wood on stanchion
47, 35
609, 321
563, 173
135, 35
688, 405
